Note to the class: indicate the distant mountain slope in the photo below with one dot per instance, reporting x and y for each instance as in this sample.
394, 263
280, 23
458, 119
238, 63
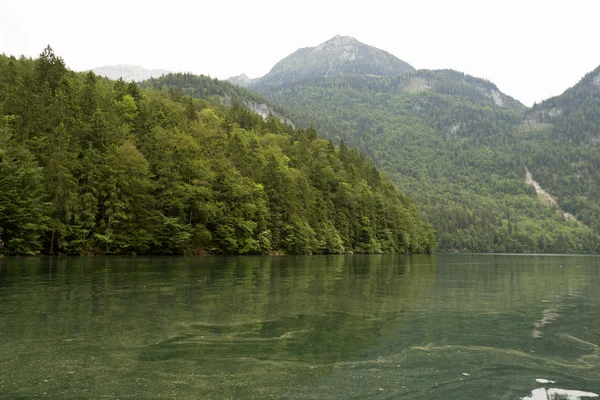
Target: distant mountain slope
580, 97
339, 55
129, 72
459, 85
561, 138
204, 87
452, 142
240, 80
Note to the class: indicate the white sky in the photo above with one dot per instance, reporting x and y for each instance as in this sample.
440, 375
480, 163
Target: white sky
531, 49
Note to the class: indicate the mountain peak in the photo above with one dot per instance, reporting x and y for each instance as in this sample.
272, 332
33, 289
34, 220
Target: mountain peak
340, 55
242, 80
346, 47
338, 41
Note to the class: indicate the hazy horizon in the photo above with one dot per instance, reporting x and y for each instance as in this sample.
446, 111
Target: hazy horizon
531, 51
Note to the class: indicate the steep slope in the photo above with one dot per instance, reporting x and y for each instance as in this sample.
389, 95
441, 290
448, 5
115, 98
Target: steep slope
90, 165
561, 138
545, 197
451, 142
128, 72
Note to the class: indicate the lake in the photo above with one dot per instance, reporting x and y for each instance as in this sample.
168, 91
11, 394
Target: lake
301, 327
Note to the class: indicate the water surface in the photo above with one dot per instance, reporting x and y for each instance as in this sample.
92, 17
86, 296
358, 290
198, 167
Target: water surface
320, 327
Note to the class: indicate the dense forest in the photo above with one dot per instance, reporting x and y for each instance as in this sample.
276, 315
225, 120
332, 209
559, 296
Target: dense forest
458, 148
89, 165
204, 87
216, 91
561, 138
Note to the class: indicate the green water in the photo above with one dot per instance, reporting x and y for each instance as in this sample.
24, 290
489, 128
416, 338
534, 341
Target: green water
326, 327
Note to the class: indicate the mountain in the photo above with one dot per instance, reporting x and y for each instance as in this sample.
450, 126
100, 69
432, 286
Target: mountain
562, 139
240, 80
91, 165
128, 72
490, 174
339, 55
457, 146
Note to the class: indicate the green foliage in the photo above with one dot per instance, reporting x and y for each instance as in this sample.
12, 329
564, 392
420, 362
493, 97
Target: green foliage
458, 148
22, 209
562, 142
203, 87
89, 165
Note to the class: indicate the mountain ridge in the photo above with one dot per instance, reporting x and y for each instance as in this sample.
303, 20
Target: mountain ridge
129, 72
562, 138
204, 87
338, 55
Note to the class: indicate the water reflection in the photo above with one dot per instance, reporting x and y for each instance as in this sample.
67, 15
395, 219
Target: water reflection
558, 394
430, 327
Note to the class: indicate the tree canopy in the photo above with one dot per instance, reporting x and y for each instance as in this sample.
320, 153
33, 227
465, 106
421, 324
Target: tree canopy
89, 165
458, 148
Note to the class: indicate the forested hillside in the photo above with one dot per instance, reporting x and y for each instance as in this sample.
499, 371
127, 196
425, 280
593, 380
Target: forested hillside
459, 148
204, 87
90, 165
561, 138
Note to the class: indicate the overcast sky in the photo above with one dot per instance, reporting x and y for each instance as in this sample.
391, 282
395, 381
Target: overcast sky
531, 49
